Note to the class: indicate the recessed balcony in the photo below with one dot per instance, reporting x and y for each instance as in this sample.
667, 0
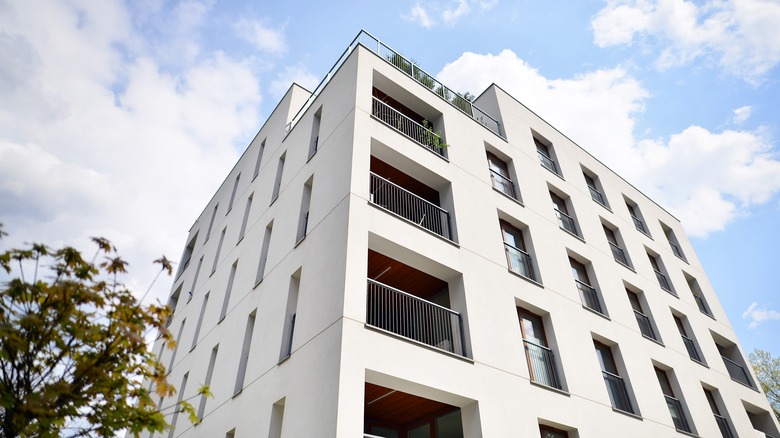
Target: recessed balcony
390, 413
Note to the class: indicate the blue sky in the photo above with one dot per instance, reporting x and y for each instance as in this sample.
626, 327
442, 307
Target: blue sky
100, 103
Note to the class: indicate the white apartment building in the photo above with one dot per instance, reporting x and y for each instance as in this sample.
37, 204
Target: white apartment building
388, 259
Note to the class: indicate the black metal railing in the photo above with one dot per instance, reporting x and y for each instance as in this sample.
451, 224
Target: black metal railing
597, 196
547, 162
313, 147
737, 371
639, 225
566, 222
519, 261
408, 127
409, 206
288, 342
691, 347
503, 184
723, 425
644, 325
700, 303
541, 363
413, 318
678, 416
618, 395
590, 298
303, 227
662, 281
677, 251
618, 254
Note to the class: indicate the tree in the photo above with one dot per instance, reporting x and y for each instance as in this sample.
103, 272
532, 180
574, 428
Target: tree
767, 370
73, 354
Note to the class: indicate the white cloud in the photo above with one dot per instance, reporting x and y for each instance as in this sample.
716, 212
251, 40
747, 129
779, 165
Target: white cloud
419, 15
488, 4
741, 114
263, 37
706, 179
739, 36
452, 15
294, 73
757, 315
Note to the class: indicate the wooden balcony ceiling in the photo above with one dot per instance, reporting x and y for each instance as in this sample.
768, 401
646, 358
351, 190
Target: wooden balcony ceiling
397, 177
403, 277
399, 408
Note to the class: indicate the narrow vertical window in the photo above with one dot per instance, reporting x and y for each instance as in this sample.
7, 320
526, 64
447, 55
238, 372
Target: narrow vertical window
233, 193
690, 344
231, 433
259, 159
315, 133
228, 290
246, 216
660, 275
565, 220
178, 402
278, 180
244, 359
500, 177
595, 189
616, 386
673, 242
303, 219
187, 255
636, 216
588, 293
219, 250
264, 253
674, 405
541, 360
517, 257
211, 223
698, 296
617, 251
277, 418
207, 381
200, 320
551, 432
290, 314
545, 157
723, 423
641, 318
176, 347
197, 274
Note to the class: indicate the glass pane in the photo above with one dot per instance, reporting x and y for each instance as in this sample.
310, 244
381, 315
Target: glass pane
449, 426
423, 431
384, 432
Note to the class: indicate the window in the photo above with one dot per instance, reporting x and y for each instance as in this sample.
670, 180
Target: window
278, 180
500, 176
259, 159
219, 250
176, 411
244, 359
541, 360
565, 220
545, 157
733, 360
616, 387
690, 345
674, 405
645, 326
303, 220
659, 274
233, 193
176, 347
517, 257
246, 216
673, 243
207, 381
277, 418
315, 133
187, 256
289, 319
636, 215
701, 303
211, 223
264, 253
551, 432
228, 291
588, 294
617, 251
723, 423
200, 320
595, 189
197, 274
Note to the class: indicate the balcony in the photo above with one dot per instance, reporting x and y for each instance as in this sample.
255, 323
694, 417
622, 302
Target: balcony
597, 196
541, 365
519, 262
644, 325
393, 118
663, 282
390, 413
691, 347
503, 184
566, 222
407, 204
737, 372
618, 254
678, 416
547, 162
589, 296
723, 425
616, 388
677, 251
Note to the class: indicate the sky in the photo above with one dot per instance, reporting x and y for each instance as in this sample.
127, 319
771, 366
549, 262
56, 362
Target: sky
121, 119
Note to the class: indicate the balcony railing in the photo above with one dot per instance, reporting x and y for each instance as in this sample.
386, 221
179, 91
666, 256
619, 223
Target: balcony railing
408, 127
503, 184
700, 303
409, 206
639, 225
597, 196
677, 251
723, 425
618, 254
566, 222
547, 162
678, 416
663, 282
519, 261
737, 371
616, 388
303, 227
413, 318
590, 297
691, 347
541, 363
289, 340
644, 325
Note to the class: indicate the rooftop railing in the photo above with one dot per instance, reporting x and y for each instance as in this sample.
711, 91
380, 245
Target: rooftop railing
373, 44
590, 297
414, 318
519, 261
409, 206
566, 222
503, 184
541, 363
737, 371
616, 388
677, 413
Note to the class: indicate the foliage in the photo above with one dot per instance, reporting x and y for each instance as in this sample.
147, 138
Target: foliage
73, 358
432, 138
767, 370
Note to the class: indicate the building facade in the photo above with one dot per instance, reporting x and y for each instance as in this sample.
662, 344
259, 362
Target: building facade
388, 259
